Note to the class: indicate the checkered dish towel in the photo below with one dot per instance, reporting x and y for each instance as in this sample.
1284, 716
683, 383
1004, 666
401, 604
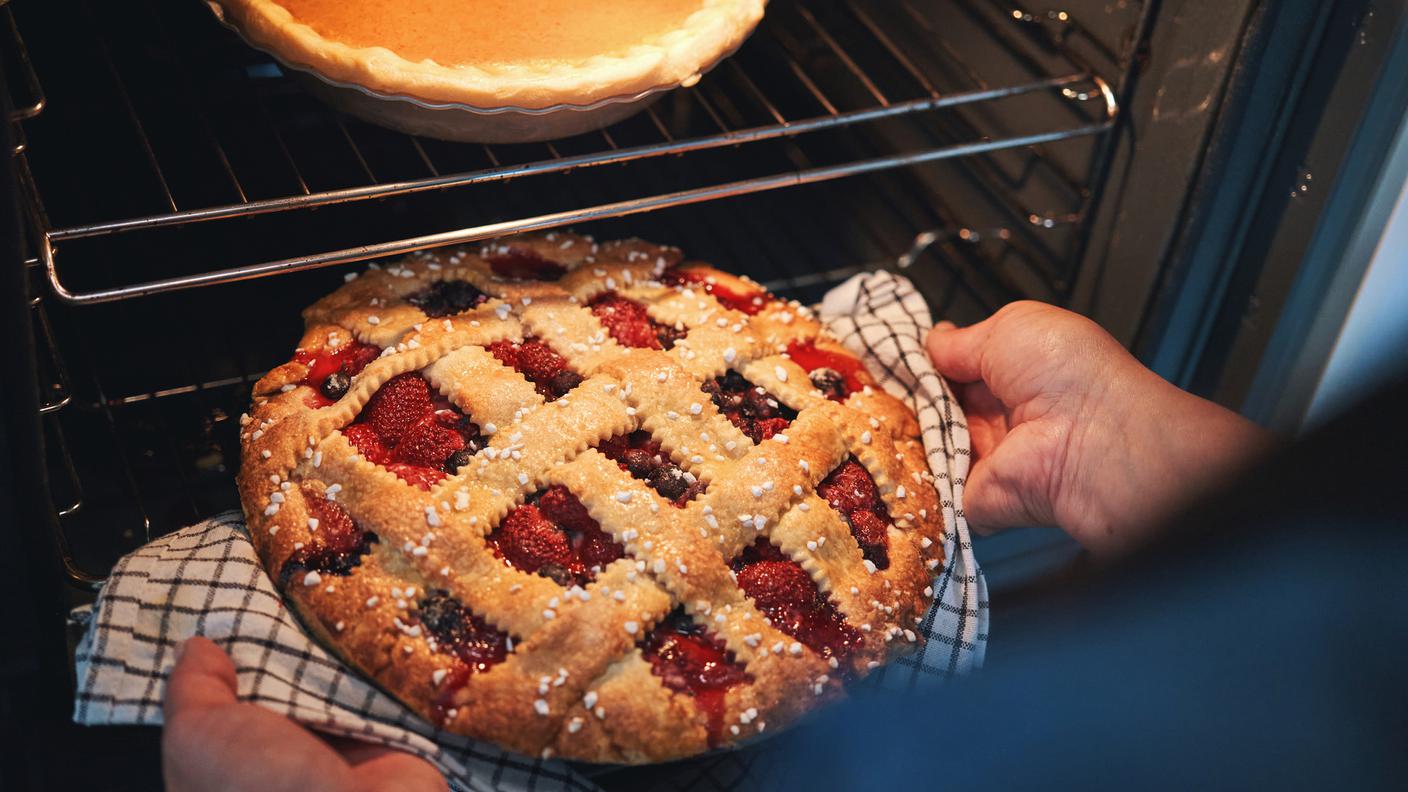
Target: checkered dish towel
206, 580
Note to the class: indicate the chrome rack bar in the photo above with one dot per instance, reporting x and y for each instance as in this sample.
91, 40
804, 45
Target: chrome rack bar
61, 443
75, 573
554, 220
541, 167
58, 395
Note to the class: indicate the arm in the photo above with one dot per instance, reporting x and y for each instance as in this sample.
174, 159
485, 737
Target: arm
1070, 430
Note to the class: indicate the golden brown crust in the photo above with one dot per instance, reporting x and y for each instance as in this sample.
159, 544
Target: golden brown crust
574, 682
674, 58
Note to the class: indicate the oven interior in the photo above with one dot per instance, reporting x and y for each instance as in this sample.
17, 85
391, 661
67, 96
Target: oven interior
1163, 167
187, 198
190, 198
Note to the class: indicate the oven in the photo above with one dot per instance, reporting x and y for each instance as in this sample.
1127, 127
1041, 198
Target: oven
1177, 171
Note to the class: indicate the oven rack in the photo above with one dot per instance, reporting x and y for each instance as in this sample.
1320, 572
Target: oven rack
875, 106
846, 62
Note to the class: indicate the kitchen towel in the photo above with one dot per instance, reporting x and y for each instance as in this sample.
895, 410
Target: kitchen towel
206, 580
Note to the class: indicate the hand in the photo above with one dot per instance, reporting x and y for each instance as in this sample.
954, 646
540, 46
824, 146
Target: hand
1069, 429
212, 741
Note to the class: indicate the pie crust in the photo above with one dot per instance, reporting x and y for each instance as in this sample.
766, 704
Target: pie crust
577, 670
628, 68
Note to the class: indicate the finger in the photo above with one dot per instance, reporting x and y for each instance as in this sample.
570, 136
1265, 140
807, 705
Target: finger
944, 324
957, 352
1008, 488
203, 677
985, 416
396, 770
990, 503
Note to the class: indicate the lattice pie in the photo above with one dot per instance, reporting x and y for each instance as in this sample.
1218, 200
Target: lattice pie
587, 500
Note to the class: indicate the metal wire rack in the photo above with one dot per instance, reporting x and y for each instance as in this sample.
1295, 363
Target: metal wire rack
861, 44
170, 156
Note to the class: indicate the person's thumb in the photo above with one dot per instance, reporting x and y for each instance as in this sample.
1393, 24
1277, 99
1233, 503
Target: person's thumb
203, 677
957, 352
1006, 488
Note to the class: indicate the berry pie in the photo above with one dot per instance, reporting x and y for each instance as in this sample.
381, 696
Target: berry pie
588, 500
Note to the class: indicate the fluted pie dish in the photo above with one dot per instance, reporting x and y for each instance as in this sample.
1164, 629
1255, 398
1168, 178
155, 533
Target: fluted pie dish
589, 500
495, 70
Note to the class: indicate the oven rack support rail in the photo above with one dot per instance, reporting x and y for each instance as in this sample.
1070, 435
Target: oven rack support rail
1076, 87
1073, 75
27, 94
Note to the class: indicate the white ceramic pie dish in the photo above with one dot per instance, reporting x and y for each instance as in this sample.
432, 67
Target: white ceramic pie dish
465, 124
461, 122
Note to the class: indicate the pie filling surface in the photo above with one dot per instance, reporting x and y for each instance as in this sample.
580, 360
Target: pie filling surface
532, 54
494, 32
581, 500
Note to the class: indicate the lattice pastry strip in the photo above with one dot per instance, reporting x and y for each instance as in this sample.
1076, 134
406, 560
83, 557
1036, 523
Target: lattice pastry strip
680, 415
480, 385
783, 378
682, 561
816, 537
692, 308
416, 351
582, 642
524, 465
753, 493
581, 498
905, 489
709, 351
574, 333
703, 583
618, 268
627, 716
398, 514
886, 414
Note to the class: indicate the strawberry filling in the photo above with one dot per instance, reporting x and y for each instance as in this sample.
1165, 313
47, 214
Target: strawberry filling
851, 491
539, 364
689, 660
518, 263
750, 302
330, 371
553, 535
786, 594
640, 455
628, 323
753, 410
419, 436
337, 544
834, 374
445, 298
453, 629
